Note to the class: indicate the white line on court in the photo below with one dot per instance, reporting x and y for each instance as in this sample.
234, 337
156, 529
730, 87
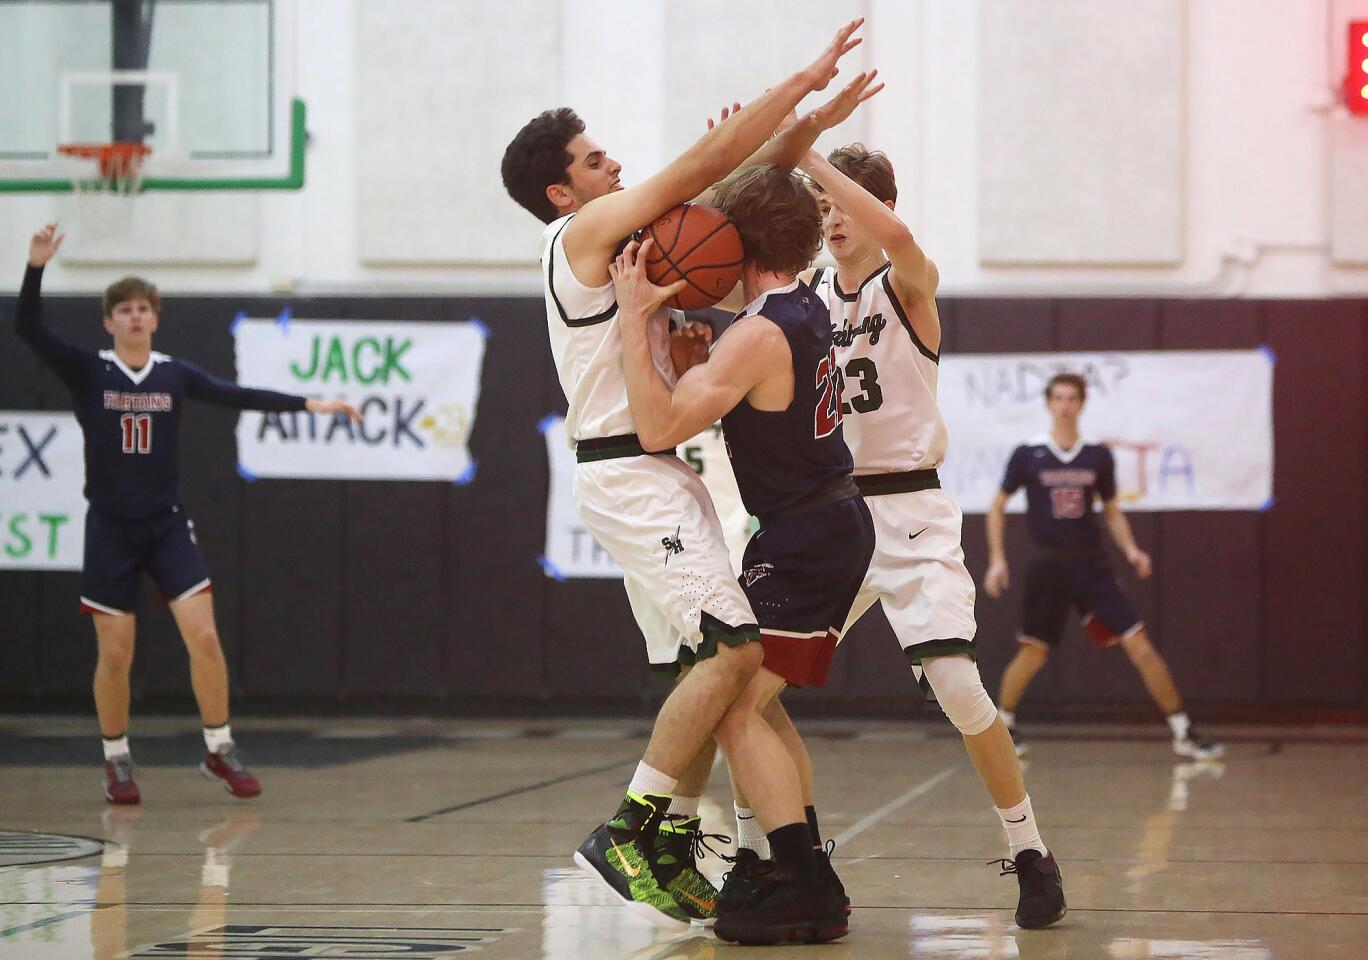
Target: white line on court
925, 787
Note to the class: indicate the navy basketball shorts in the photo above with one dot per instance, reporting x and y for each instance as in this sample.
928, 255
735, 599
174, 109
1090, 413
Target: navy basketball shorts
117, 551
1054, 584
801, 574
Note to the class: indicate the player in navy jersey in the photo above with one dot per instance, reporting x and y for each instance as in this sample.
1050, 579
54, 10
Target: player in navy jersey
128, 401
1063, 476
772, 380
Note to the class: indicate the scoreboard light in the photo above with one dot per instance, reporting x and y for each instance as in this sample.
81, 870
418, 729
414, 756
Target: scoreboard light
1356, 75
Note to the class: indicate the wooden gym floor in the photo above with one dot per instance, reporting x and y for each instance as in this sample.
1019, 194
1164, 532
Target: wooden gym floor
419, 840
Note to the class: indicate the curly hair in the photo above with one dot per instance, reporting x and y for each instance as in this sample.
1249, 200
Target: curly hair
537, 158
776, 215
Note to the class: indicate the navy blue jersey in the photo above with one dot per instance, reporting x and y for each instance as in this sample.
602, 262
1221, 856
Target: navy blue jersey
781, 457
1060, 489
131, 418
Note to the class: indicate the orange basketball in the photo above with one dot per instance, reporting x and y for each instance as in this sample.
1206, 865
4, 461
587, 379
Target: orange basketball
699, 244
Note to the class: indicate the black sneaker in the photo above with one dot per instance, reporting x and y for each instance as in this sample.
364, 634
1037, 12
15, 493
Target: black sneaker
743, 880
621, 853
679, 843
785, 909
828, 873
1042, 888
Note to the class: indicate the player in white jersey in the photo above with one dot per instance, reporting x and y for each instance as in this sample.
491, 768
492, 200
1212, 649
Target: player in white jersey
648, 509
881, 295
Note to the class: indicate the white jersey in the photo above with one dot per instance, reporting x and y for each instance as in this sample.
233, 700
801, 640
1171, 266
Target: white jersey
892, 422
583, 326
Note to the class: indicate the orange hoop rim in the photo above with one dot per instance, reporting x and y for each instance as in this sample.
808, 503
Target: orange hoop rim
115, 159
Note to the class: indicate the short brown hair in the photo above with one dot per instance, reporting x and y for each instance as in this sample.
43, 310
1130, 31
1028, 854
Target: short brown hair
871, 169
1069, 380
131, 288
776, 215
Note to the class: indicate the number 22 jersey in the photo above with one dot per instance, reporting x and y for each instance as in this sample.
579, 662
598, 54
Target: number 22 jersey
892, 422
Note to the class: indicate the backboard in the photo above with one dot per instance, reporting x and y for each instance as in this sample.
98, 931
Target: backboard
208, 85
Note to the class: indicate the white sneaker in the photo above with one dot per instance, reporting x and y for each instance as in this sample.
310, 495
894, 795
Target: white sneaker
1195, 748
1017, 742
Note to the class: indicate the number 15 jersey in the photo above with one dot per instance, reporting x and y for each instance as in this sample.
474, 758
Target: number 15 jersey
892, 422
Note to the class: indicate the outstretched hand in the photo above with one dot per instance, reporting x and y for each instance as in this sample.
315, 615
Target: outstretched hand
334, 406
636, 294
821, 70
44, 245
838, 108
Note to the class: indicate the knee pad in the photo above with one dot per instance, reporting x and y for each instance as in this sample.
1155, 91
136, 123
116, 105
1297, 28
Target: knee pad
959, 691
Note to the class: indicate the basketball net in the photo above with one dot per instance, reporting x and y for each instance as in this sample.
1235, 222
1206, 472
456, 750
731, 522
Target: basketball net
106, 179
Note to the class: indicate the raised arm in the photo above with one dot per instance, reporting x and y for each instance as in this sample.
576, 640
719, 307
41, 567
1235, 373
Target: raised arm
211, 389
602, 224
67, 360
913, 276
787, 148
753, 350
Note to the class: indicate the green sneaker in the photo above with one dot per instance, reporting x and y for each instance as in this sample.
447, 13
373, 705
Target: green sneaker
679, 842
616, 855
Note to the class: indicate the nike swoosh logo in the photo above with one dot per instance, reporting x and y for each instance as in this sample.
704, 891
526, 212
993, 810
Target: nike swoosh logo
627, 868
707, 905
1022, 820
913, 536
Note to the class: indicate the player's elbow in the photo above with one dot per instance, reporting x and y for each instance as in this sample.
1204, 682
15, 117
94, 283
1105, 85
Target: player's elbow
655, 438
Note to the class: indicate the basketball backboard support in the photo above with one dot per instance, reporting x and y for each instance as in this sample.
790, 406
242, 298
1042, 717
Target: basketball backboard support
208, 85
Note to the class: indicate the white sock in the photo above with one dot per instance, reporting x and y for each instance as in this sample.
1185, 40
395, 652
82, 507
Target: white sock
215, 737
749, 833
684, 806
1020, 824
1008, 716
116, 747
1180, 725
649, 781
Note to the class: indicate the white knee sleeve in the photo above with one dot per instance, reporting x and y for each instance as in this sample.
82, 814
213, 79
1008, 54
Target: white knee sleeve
959, 691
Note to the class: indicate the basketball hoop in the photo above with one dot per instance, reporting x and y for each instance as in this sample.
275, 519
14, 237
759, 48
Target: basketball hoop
105, 198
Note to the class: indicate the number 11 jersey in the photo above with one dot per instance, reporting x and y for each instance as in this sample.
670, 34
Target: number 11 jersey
892, 422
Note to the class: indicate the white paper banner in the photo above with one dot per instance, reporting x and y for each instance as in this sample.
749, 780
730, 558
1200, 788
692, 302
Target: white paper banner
1190, 429
42, 510
416, 383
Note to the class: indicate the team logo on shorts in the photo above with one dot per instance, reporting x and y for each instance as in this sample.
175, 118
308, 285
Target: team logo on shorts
756, 573
672, 546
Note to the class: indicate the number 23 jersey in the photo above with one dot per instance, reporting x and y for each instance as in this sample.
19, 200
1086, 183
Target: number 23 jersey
892, 422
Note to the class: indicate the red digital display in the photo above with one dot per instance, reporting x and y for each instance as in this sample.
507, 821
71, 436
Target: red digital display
1356, 73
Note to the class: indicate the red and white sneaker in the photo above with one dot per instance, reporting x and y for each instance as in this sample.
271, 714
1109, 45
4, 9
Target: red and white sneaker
225, 765
118, 781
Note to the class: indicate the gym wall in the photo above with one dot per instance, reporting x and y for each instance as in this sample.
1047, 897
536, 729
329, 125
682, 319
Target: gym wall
428, 596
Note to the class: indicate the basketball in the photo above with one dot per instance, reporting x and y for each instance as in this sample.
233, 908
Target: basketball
698, 243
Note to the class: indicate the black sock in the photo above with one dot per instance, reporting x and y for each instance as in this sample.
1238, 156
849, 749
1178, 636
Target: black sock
811, 812
791, 847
